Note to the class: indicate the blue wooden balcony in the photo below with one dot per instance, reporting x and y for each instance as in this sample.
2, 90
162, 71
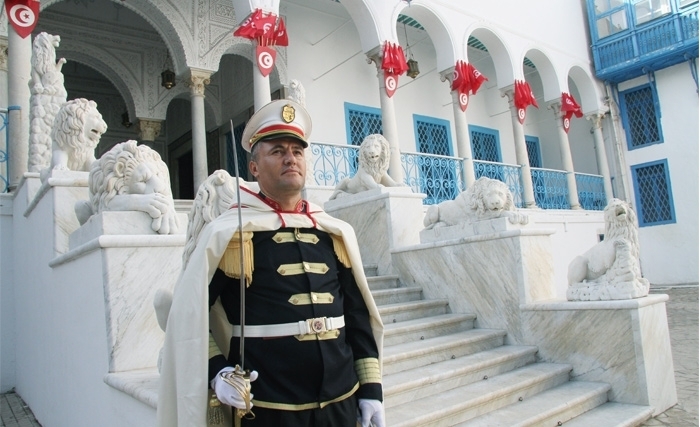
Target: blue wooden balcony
441, 177
649, 47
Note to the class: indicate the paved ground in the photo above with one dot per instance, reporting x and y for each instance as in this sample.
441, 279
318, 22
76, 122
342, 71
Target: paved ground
682, 309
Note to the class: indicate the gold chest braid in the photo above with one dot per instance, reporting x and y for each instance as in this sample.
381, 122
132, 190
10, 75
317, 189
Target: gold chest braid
230, 262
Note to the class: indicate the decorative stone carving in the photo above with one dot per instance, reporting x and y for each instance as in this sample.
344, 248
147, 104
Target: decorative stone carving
131, 177
149, 129
76, 131
610, 269
372, 172
297, 93
48, 93
486, 199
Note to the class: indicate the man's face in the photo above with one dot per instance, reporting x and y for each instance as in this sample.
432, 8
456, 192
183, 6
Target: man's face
279, 166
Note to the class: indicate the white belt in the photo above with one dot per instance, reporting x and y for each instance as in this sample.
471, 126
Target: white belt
302, 327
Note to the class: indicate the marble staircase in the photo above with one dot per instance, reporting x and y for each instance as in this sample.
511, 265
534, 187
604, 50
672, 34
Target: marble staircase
439, 370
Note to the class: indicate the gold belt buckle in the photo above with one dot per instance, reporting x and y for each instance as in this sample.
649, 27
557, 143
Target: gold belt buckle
317, 325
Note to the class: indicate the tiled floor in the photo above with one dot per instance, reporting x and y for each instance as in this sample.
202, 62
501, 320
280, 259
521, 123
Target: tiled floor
682, 309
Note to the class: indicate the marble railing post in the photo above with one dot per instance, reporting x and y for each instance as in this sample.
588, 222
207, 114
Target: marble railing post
19, 61
601, 156
389, 126
464, 147
521, 152
566, 158
197, 83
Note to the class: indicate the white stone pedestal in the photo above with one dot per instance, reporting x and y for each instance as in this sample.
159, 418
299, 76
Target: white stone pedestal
384, 218
625, 343
135, 262
57, 196
489, 274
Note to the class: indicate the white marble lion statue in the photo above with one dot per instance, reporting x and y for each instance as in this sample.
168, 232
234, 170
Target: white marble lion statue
76, 131
610, 269
131, 177
48, 93
372, 172
486, 199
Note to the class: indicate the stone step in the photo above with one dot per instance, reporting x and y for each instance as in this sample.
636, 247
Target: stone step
383, 282
436, 378
393, 313
549, 408
370, 269
398, 295
463, 403
613, 414
401, 357
427, 327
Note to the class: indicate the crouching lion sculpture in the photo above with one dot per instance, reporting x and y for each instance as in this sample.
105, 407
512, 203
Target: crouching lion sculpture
131, 177
486, 199
373, 168
610, 269
76, 131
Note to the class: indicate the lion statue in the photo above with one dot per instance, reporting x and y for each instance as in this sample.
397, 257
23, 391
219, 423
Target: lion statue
373, 168
610, 269
48, 93
131, 177
76, 132
486, 199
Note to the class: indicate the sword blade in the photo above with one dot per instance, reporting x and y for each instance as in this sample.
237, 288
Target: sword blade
240, 247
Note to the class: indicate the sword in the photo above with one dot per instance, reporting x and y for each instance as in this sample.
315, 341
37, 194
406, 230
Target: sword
240, 377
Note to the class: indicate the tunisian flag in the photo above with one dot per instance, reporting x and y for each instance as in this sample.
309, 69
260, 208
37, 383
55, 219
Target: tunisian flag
268, 31
466, 79
569, 107
394, 64
23, 15
523, 98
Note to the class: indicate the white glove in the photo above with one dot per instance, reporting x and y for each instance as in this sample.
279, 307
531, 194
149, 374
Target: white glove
371, 410
229, 394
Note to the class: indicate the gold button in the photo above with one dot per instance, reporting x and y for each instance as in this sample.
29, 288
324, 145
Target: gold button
282, 271
314, 297
295, 301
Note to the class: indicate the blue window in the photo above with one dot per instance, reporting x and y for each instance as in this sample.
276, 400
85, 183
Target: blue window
438, 176
432, 135
240, 153
533, 151
361, 121
641, 116
652, 189
485, 144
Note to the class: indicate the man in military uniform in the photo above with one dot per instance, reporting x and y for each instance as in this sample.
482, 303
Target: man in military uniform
312, 333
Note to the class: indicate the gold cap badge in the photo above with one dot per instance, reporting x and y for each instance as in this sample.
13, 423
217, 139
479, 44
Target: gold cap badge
288, 113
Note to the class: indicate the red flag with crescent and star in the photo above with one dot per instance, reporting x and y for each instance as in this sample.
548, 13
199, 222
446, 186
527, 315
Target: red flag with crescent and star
466, 79
394, 64
523, 98
268, 31
23, 15
569, 107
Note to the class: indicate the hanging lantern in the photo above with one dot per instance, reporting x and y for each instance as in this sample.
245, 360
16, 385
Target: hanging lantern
167, 79
413, 70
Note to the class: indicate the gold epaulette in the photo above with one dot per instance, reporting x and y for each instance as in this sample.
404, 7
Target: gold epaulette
231, 263
340, 251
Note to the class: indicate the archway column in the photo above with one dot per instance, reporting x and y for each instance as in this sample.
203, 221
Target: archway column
197, 84
464, 147
390, 128
566, 159
19, 62
601, 156
521, 152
